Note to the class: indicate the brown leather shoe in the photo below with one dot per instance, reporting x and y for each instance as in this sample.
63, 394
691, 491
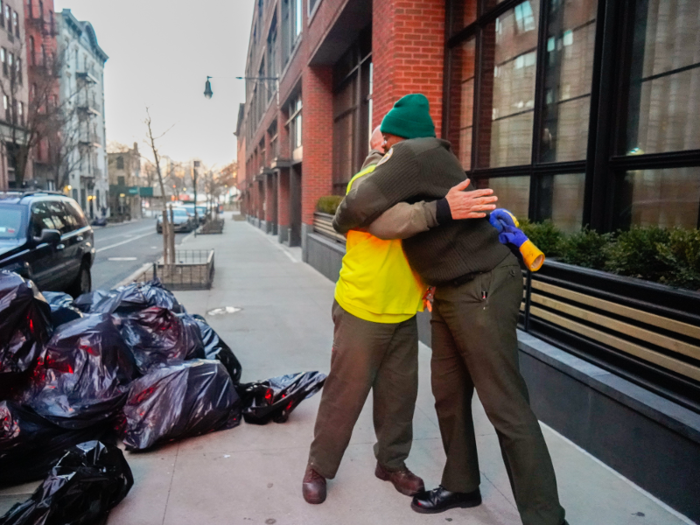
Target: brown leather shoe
405, 481
314, 486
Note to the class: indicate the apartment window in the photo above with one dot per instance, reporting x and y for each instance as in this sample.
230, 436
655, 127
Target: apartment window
351, 111
271, 59
6, 107
10, 63
120, 162
570, 44
461, 85
508, 95
32, 51
312, 6
297, 19
18, 71
20, 112
15, 22
41, 9
663, 107
522, 108
29, 8
294, 122
8, 18
274, 141
52, 23
43, 55
3, 59
291, 26
2, 14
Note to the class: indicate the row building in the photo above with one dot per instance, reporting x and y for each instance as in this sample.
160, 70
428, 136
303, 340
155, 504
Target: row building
52, 127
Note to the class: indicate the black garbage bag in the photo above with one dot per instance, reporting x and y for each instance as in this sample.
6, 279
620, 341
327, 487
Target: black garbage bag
25, 326
83, 374
215, 348
84, 486
97, 301
188, 399
129, 298
63, 310
157, 336
30, 445
274, 399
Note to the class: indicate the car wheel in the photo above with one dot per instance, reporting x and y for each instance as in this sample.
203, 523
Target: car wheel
83, 283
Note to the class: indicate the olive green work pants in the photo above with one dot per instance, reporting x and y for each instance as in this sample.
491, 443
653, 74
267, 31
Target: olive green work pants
475, 346
382, 357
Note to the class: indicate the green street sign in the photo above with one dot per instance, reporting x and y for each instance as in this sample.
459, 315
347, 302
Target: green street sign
133, 190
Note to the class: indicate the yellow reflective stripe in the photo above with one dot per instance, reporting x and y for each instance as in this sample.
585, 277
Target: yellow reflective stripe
368, 169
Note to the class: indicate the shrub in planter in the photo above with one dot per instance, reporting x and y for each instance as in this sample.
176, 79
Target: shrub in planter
586, 248
682, 256
636, 253
545, 235
328, 204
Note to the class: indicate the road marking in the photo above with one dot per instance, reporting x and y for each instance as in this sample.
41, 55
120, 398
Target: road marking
122, 259
124, 242
126, 234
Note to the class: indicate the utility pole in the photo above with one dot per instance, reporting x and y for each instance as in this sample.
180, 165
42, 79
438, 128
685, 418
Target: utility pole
194, 176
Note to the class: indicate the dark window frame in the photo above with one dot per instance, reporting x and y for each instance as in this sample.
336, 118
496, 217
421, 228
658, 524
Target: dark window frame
352, 71
603, 166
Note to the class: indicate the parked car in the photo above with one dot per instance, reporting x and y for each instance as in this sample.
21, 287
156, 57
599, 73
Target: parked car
201, 212
183, 221
45, 237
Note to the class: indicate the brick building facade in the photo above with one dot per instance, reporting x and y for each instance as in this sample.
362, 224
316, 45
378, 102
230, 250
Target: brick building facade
42, 57
319, 76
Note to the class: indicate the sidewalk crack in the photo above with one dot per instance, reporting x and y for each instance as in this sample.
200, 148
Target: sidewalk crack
499, 490
170, 486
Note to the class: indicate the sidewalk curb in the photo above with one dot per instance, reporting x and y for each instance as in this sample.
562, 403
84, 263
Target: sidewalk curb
134, 275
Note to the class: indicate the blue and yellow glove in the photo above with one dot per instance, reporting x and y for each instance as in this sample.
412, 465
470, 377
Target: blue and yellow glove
509, 233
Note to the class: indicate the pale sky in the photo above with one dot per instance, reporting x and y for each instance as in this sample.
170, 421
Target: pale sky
160, 53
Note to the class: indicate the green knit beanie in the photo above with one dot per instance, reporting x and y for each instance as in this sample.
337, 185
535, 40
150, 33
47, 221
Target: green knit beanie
409, 118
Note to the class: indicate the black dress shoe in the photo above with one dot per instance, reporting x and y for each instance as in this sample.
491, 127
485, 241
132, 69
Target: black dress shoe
441, 499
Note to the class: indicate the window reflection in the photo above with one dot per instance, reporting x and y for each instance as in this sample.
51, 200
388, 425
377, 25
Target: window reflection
561, 200
513, 193
570, 45
665, 198
462, 101
508, 87
665, 78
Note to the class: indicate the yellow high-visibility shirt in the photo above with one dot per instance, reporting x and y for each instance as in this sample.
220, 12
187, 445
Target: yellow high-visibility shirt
376, 282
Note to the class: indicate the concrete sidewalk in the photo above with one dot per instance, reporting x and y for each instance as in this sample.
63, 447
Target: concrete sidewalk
252, 474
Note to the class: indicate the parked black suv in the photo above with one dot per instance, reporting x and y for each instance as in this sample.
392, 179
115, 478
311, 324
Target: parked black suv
45, 237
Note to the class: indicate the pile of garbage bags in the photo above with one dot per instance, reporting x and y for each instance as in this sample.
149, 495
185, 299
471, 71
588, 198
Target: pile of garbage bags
78, 375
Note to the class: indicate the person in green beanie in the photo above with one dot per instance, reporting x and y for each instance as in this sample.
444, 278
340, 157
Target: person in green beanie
477, 298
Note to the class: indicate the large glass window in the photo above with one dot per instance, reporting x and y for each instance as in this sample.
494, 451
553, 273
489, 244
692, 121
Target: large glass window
507, 91
568, 76
462, 101
664, 98
560, 199
665, 198
352, 79
294, 122
513, 193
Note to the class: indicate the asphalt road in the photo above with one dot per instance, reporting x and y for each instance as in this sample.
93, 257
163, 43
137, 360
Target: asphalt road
124, 248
